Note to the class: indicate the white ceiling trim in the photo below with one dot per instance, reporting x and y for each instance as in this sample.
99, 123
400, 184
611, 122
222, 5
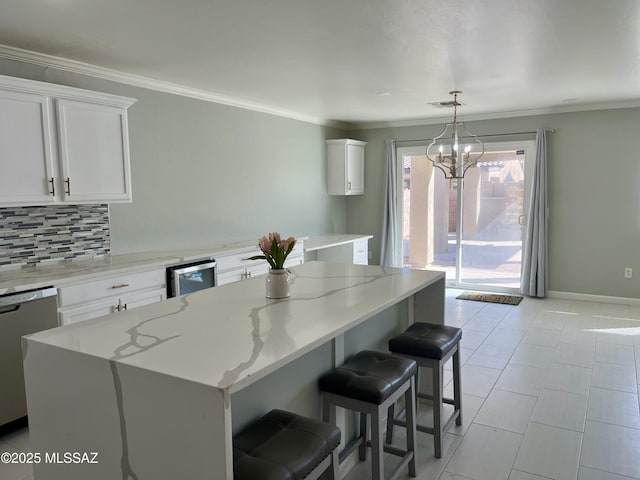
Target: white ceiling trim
74, 66
497, 115
51, 61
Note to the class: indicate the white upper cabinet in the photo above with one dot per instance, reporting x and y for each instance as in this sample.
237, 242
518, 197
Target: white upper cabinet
94, 152
62, 145
26, 152
345, 163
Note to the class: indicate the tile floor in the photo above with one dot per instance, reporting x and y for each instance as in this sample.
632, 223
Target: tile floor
550, 391
15, 442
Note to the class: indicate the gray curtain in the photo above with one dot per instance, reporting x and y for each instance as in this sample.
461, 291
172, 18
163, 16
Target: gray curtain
534, 264
389, 249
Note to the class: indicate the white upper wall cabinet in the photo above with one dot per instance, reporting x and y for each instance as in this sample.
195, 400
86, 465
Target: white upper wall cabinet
94, 152
26, 152
345, 163
62, 145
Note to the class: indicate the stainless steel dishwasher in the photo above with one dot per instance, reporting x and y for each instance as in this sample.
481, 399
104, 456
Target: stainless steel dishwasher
21, 313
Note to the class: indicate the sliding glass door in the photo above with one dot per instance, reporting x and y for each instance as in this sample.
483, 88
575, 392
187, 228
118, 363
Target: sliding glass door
473, 228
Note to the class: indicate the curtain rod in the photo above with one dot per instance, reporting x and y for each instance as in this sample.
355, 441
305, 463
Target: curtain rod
479, 136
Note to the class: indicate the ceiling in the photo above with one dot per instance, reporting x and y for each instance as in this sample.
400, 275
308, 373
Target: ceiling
354, 61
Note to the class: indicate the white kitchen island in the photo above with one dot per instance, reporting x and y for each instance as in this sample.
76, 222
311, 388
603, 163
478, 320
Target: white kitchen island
158, 391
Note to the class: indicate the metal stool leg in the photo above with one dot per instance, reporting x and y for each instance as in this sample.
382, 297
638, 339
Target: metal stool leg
335, 465
363, 434
436, 368
329, 412
410, 402
392, 408
377, 454
390, 416
457, 385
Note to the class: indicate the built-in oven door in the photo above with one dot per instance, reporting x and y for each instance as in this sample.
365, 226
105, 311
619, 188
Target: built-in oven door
191, 277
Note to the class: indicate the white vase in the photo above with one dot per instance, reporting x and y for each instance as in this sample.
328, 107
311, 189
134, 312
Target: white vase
277, 283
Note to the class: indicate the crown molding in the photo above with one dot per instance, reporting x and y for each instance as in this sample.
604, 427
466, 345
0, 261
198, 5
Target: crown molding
65, 64
497, 115
24, 85
51, 61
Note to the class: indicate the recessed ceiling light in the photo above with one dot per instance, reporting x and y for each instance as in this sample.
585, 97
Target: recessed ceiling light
383, 94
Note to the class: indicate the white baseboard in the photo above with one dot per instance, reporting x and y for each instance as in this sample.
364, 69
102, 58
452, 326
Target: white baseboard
594, 298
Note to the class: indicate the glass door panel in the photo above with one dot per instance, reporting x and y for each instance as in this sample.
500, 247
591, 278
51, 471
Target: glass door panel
429, 217
492, 220
487, 206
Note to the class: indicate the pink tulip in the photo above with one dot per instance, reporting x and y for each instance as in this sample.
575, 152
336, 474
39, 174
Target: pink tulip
285, 244
274, 256
265, 244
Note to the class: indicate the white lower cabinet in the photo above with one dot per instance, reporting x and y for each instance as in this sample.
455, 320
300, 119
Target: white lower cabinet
236, 267
356, 252
361, 252
242, 273
142, 298
86, 312
110, 295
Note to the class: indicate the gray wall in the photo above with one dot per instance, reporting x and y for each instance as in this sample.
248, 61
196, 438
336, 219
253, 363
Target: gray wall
205, 172
594, 194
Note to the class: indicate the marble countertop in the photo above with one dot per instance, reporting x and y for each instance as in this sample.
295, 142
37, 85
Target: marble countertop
61, 273
231, 336
326, 241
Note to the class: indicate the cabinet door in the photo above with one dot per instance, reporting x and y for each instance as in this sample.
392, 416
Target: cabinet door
257, 269
26, 153
231, 276
293, 261
117, 286
361, 252
111, 305
146, 298
94, 151
355, 170
88, 311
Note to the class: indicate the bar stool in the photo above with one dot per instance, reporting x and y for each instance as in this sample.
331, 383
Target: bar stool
369, 382
431, 346
285, 446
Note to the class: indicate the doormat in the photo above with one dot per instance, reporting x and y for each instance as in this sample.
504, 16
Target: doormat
491, 298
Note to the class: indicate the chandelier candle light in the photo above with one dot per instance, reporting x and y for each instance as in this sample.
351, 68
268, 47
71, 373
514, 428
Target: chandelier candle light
275, 251
448, 151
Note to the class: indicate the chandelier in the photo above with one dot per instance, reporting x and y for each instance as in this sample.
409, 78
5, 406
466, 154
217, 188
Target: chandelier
456, 149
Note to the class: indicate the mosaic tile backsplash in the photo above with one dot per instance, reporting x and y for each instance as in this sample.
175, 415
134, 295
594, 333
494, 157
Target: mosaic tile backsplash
31, 235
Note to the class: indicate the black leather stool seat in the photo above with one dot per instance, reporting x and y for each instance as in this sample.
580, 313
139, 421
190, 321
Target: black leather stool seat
369, 376
426, 340
282, 446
